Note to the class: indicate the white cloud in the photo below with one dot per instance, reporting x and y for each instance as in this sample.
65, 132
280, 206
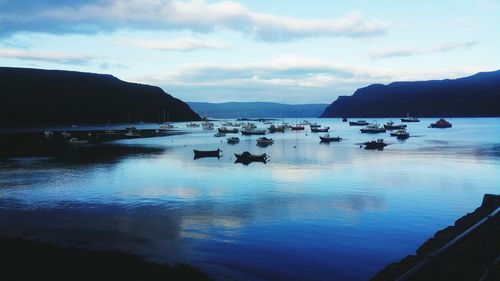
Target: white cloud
284, 79
177, 44
196, 15
57, 57
407, 52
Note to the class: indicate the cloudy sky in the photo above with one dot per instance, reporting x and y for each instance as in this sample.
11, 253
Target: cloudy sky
281, 50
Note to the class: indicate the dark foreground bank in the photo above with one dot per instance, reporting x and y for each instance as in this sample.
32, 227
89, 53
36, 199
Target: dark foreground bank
31, 260
474, 256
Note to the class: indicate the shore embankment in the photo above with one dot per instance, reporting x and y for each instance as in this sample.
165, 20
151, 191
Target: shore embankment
468, 259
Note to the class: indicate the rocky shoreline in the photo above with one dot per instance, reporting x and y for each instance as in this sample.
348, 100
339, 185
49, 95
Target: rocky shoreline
466, 260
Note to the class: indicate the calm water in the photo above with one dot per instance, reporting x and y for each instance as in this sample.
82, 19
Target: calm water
314, 212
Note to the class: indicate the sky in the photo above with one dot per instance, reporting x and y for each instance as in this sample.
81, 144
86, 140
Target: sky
281, 51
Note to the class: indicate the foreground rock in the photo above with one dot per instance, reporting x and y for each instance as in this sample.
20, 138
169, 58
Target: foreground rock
468, 260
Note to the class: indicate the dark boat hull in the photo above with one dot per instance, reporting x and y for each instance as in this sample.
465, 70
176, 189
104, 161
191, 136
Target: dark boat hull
231, 131
371, 131
298, 128
337, 139
374, 145
249, 133
324, 130
440, 126
394, 127
409, 120
248, 158
206, 153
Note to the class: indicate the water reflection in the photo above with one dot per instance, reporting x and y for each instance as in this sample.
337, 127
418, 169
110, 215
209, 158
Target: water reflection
324, 209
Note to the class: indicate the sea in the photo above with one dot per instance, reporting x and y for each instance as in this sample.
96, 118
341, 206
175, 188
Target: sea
314, 211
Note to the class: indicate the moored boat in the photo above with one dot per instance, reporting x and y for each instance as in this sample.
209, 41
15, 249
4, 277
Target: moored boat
320, 130
344, 119
233, 140
410, 118
328, 138
378, 144
373, 129
297, 127
402, 134
192, 125
253, 132
264, 141
391, 126
219, 134
247, 157
441, 123
274, 129
227, 130
76, 141
207, 125
358, 123
207, 153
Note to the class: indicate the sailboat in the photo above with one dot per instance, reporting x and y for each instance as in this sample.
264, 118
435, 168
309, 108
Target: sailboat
166, 125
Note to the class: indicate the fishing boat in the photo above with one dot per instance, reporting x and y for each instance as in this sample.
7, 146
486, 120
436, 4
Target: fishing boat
207, 125
48, 134
328, 138
207, 153
274, 129
344, 119
132, 133
76, 141
378, 144
247, 157
320, 130
227, 130
166, 125
253, 132
441, 123
409, 118
297, 127
264, 141
219, 134
373, 129
249, 126
391, 126
192, 125
358, 123
314, 125
402, 134
233, 140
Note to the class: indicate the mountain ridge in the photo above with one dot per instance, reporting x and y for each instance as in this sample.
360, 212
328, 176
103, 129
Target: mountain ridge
472, 96
34, 97
257, 109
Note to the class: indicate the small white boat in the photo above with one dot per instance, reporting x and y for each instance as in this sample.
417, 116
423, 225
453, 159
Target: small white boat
76, 141
65, 134
207, 125
48, 133
192, 125
166, 126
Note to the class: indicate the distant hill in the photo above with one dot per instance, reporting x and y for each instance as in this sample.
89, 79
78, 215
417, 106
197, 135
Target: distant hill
477, 95
257, 110
30, 97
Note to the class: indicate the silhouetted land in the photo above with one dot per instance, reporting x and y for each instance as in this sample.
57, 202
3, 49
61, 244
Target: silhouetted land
35, 97
32, 260
474, 96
